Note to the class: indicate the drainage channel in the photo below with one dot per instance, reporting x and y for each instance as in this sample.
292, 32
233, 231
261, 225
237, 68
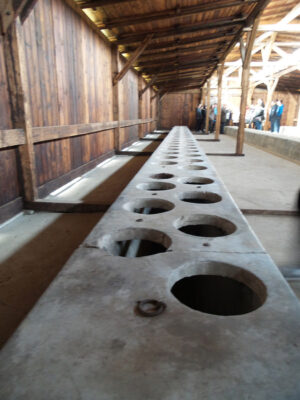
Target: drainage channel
175, 247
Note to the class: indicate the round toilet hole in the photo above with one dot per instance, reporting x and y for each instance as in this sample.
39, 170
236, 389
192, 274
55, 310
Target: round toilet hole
135, 242
168, 163
205, 226
219, 295
200, 197
197, 180
162, 176
149, 206
196, 167
156, 186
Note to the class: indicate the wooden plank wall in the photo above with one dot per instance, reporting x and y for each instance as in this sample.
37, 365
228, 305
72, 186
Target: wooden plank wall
69, 75
70, 83
9, 177
179, 109
128, 103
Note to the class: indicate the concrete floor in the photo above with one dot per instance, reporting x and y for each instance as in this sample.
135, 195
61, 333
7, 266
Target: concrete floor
35, 247
263, 181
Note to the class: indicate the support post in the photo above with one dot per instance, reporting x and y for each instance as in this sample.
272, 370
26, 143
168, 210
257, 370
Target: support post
245, 84
140, 106
15, 64
207, 106
115, 97
218, 121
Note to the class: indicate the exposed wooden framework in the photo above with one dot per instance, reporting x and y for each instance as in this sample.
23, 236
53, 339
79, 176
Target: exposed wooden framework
11, 10
219, 113
172, 13
245, 83
132, 59
15, 64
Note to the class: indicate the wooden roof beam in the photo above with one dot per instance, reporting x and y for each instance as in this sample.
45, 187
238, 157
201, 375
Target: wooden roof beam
179, 60
127, 38
294, 28
149, 84
11, 9
180, 74
222, 34
290, 16
191, 66
132, 59
101, 3
172, 13
287, 44
187, 50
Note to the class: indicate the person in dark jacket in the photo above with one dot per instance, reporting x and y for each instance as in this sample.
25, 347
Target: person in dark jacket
203, 119
223, 119
278, 115
198, 117
272, 115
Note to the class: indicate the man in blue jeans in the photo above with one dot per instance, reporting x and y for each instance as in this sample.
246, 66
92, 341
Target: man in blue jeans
278, 115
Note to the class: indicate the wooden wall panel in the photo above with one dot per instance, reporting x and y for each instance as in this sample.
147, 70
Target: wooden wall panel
178, 109
9, 177
128, 104
69, 73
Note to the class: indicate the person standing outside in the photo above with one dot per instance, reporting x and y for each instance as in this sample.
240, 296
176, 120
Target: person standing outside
278, 115
272, 115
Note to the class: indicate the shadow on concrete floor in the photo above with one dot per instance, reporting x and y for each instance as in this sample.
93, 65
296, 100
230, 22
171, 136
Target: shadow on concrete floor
46, 241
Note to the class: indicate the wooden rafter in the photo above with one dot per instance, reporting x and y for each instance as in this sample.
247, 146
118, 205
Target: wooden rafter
183, 51
195, 58
191, 66
149, 84
127, 38
101, 3
223, 34
172, 13
11, 9
132, 59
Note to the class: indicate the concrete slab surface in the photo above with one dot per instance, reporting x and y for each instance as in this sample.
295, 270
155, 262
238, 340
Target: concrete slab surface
84, 339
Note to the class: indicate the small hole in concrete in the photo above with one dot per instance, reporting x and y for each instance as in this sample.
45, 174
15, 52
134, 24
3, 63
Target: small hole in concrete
139, 220
156, 186
149, 206
218, 295
205, 226
135, 242
200, 197
196, 180
196, 167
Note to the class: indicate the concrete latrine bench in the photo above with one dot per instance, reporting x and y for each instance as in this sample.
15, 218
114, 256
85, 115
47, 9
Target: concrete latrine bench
230, 328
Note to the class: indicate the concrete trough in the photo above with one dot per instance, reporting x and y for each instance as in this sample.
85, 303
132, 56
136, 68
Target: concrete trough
280, 145
231, 325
